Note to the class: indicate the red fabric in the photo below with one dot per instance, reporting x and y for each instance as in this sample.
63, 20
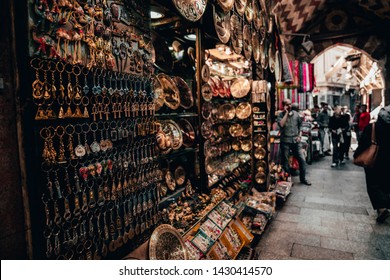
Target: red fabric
364, 120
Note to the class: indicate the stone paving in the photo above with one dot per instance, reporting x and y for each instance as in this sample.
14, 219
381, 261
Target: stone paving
331, 219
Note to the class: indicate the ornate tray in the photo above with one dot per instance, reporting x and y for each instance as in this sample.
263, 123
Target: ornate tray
247, 42
171, 92
226, 5
227, 111
260, 153
222, 25
240, 6
256, 46
249, 11
259, 140
236, 33
240, 87
167, 244
191, 9
177, 137
243, 110
188, 132
235, 130
207, 93
186, 99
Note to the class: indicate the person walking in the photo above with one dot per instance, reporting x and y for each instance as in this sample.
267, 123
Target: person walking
378, 186
290, 123
323, 123
348, 136
364, 120
338, 126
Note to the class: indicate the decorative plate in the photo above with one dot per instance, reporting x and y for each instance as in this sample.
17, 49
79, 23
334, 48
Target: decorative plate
226, 5
205, 73
271, 57
240, 6
236, 144
170, 181
166, 244
235, 130
247, 42
180, 176
236, 33
188, 132
256, 14
256, 46
222, 25
249, 11
278, 67
243, 110
207, 93
164, 142
261, 165
246, 145
186, 99
260, 178
176, 134
207, 108
240, 87
158, 93
259, 140
260, 153
191, 9
171, 92
227, 111
206, 129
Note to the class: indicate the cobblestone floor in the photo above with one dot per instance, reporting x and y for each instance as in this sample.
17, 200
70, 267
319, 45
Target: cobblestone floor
331, 219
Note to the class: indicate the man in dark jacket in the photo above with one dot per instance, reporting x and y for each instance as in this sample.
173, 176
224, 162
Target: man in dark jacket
338, 126
290, 123
378, 184
323, 123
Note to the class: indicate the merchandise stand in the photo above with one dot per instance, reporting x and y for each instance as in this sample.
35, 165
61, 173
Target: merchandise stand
143, 137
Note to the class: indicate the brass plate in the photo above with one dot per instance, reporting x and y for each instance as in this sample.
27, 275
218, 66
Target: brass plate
249, 11
166, 243
186, 99
170, 181
246, 145
222, 25
256, 46
247, 42
180, 176
188, 132
240, 87
235, 130
171, 92
243, 110
259, 140
260, 178
227, 111
240, 6
236, 33
191, 9
207, 93
260, 153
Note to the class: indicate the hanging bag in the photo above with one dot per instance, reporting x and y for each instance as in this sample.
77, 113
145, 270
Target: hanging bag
367, 158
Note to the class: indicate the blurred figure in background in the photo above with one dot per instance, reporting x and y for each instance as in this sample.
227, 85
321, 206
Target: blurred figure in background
364, 120
338, 126
348, 136
323, 123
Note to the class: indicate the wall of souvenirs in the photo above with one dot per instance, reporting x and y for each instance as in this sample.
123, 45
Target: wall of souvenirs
136, 126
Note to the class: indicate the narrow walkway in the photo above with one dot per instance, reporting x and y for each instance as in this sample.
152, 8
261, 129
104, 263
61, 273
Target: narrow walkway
332, 219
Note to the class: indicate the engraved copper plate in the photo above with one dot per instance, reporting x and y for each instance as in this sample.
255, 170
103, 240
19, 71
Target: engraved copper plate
240, 87
171, 92
260, 153
243, 110
240, 6
191, 9
259, 140
226, 5
247, 42
186, 99
188, 132
222, 25
236, 33
167, 244
207, 92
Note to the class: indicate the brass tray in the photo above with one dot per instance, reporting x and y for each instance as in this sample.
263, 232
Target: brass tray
247, 42
236, 33
166, 243
186, 99
222, 25
260, 153
261, 165
227, 111
243, 110
170, 181
188, 132
207, 93
249, 11
235, 130
259, 140
260, 178
177, 136
191, 9
240, 6
246, 145
226, 5
240, 87
171, 92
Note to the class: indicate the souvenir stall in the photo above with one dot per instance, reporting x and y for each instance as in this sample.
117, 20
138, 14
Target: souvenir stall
151, 124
